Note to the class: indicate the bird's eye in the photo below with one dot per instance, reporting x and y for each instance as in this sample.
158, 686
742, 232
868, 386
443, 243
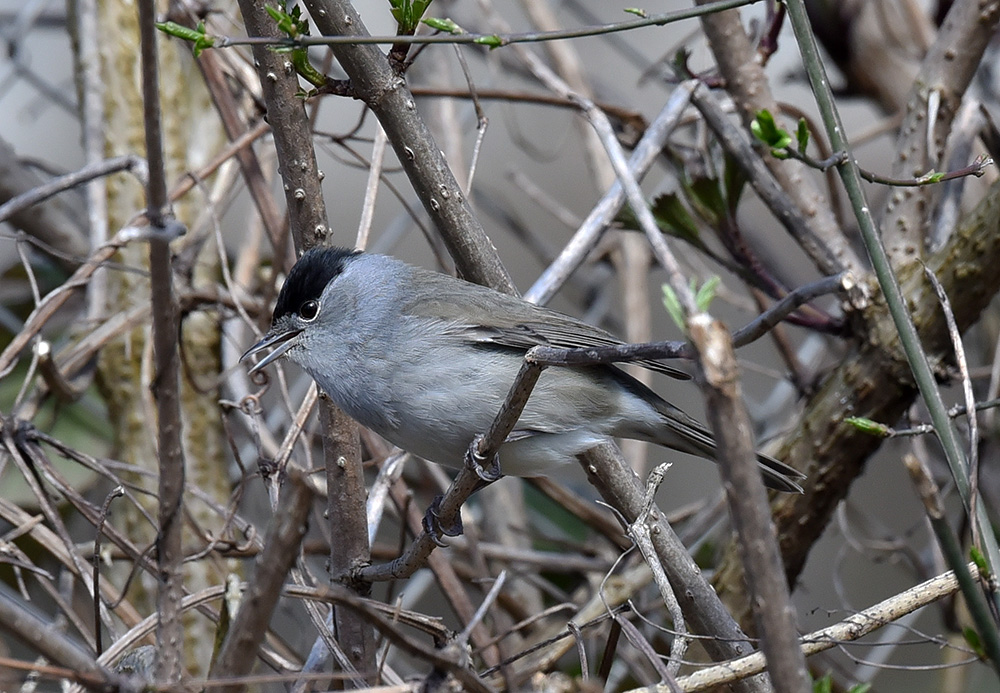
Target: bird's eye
309, 310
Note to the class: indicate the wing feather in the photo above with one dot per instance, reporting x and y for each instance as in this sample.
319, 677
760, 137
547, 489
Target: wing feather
537, 326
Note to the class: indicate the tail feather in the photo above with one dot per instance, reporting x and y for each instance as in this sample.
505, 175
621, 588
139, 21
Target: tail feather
688, 435
778, 475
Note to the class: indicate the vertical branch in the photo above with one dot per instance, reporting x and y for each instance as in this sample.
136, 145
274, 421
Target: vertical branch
374, 82
166, 385
292, 141
748, 505
310, 227
346, 513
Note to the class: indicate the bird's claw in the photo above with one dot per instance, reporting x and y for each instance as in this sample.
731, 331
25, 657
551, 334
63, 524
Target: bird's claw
433, 527
477, 463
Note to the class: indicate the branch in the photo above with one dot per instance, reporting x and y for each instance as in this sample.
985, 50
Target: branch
819, 232
848, 630
166, 390
933, 102
385, 93
281, 548
310, 227
769, 592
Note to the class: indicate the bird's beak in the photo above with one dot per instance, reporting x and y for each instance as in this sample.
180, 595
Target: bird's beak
283, 340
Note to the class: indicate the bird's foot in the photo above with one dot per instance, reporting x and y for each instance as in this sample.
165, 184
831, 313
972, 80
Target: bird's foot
432, 523
489, 471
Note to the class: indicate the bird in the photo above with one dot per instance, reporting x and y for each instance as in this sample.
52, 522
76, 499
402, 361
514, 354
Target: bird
425, 360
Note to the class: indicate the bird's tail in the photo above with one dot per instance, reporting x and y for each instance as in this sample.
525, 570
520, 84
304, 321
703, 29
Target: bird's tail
688, 435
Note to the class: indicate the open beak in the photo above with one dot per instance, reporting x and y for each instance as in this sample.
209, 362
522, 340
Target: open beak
283, 341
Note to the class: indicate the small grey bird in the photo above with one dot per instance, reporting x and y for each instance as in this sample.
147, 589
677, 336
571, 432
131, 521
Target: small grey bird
425, 360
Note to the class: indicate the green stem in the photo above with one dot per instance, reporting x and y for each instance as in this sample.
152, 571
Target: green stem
908, 337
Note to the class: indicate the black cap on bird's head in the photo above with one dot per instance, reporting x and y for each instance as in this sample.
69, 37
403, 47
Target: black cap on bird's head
298, 297
308, 277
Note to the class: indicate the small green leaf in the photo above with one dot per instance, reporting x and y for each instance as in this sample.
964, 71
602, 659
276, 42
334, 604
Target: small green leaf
420, 6
734, 180
407, 13
679, 63
180, 31
868, 426
197, 36
673, 307
492, 41
708, 199
285, 21
673, 217
973, 640
767, 131
860, 688
802, 135
823, 685
931, 177
637, 12
445, 25
703, 297
977, 557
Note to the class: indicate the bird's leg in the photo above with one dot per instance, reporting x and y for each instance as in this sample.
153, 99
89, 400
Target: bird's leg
433, 525
477, 462
434, 528
475, 476
483, 476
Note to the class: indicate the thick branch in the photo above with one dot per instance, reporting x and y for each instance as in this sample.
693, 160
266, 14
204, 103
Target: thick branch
166, 334
374, 81
310, 227
933, 103
873, 381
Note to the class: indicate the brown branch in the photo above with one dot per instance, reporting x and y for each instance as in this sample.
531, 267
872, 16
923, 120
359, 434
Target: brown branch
873, 381
750, 91
310, 228
770, 596
386, 94
166, 389
281, 549
933, 103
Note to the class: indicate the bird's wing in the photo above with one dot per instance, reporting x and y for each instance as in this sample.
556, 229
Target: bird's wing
538, 326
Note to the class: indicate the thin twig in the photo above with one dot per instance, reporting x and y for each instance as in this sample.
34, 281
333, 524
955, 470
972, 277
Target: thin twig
589, 234
492, 40
970, 405
371, 189
116, 492
640, 533
131, 163
850, 629
757, 328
